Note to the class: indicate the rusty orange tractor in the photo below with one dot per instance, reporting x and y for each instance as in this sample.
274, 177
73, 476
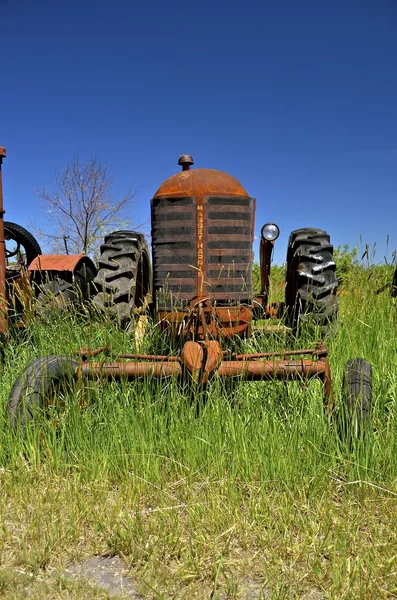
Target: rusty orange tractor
199, 290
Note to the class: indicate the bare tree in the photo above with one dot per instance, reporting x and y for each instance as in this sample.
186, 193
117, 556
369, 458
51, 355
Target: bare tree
82, 207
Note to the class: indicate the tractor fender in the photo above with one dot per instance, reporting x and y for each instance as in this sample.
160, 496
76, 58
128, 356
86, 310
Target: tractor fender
60, 262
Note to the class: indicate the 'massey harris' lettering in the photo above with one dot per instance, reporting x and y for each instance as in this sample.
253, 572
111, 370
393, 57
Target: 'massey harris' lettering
200, 247
200, 222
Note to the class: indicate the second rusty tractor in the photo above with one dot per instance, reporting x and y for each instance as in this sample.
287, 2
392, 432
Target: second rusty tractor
27, 275
199, 290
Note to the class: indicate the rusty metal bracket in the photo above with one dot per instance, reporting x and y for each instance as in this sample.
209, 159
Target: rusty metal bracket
85, 353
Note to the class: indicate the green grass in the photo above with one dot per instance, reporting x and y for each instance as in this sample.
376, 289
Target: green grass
205, 496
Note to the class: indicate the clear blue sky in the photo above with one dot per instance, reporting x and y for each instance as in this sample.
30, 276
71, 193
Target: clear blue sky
295, 98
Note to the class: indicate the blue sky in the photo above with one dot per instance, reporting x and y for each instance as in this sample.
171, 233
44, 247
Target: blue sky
297, 99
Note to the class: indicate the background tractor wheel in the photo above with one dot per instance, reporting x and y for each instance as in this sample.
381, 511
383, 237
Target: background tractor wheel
21, 246
63, 289
310, 294
357, 398
124, 277
34, 389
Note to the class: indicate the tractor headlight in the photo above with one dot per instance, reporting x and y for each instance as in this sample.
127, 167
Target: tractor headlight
270, 232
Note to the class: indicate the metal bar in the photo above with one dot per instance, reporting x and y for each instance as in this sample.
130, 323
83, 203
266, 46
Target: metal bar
203, 322
319, 351
129, 370
283, 370
149, 357
279, 369
86, 352
266, 249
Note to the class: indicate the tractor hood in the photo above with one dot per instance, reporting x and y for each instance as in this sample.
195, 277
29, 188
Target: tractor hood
200, 182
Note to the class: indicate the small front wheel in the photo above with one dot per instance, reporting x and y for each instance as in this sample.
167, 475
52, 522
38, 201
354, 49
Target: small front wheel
35, 388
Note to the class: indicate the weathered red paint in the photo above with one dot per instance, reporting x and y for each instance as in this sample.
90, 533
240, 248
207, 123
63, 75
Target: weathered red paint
56, 262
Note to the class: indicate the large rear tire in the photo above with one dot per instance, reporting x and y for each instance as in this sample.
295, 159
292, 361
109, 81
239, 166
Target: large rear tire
310, 294
124, 277
35, 388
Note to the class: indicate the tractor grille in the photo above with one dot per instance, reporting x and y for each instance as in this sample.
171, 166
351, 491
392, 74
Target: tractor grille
174, 251
227, 237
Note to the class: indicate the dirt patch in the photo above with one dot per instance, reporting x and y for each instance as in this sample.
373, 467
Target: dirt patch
108, 573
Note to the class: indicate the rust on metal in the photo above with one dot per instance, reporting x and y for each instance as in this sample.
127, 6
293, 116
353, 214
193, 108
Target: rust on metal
270, 310
185, 161
274, 310
202, 321
56, 262
192, 356
282, 370
266, 250
132, 370
320, 350
213, 358
220, 322
148, 357
275, 369
200, 182
85, 351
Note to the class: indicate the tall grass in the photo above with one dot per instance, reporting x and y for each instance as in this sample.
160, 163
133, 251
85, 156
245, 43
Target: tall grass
201, 493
